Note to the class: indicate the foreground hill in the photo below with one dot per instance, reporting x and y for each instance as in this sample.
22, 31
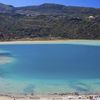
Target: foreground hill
49, 21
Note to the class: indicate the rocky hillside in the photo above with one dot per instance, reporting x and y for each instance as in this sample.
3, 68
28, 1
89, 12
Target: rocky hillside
49, 21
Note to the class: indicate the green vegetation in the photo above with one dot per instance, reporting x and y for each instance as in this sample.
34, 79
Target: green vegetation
49, 21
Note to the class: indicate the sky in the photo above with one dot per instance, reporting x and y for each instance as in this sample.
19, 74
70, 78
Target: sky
84, 3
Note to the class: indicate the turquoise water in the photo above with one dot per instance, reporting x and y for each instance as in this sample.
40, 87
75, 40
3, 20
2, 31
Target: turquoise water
49, 68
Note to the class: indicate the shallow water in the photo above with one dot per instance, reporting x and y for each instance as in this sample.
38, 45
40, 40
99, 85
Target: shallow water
49, 68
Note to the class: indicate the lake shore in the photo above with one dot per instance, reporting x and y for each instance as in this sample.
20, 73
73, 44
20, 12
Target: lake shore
49, 97
80, 42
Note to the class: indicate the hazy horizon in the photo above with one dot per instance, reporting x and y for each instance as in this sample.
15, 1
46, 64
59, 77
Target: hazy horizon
82, 3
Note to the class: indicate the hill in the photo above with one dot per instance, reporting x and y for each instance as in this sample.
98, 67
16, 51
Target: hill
49, 21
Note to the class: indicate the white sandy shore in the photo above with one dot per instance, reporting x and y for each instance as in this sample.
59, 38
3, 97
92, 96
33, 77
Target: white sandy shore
48, 97
79, 42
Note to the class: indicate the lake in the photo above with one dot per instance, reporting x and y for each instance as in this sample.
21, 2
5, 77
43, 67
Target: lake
49, 68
